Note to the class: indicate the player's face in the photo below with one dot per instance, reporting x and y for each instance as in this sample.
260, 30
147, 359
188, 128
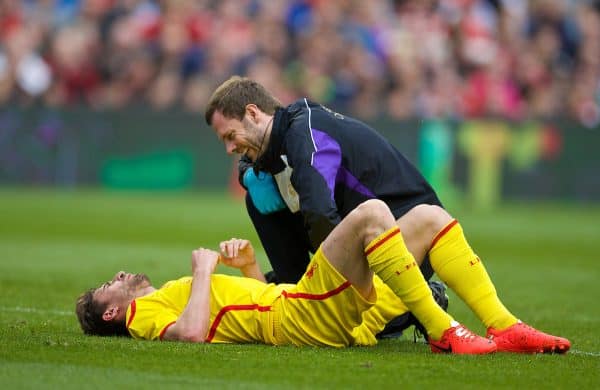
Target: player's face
122, 288
241, 137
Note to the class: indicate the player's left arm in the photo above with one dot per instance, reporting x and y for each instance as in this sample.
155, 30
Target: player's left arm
238, 253
192, 325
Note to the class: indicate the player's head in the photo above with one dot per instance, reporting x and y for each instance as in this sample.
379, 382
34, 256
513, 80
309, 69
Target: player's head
101, 311
240, 111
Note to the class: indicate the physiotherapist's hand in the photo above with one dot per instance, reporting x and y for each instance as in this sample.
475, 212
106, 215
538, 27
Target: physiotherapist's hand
263, 192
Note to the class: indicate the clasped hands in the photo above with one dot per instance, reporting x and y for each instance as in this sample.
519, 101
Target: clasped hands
235, 252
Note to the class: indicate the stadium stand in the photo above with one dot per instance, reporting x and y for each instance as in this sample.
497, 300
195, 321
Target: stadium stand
404, 58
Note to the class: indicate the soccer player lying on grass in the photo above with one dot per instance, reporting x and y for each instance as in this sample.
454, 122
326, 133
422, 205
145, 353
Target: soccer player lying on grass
338, 302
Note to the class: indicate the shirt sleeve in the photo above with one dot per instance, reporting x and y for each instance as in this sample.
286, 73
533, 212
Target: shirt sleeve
315, 159
149, 319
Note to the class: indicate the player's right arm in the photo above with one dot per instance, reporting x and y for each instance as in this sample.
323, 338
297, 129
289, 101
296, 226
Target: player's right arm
192, 325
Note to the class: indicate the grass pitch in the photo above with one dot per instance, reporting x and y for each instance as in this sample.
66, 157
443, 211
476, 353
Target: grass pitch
53, 245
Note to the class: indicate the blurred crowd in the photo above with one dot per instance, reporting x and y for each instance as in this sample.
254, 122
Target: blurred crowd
514, 59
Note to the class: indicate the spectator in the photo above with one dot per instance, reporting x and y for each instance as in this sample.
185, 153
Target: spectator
402, 58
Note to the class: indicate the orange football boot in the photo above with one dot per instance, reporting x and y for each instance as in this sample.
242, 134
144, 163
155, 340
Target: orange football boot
460, 340
523, 338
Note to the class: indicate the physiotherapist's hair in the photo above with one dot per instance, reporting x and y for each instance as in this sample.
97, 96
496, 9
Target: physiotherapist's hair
232, 97
89, 313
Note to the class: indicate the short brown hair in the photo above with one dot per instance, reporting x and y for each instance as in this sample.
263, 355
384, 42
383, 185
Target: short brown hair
89, 313
232, 97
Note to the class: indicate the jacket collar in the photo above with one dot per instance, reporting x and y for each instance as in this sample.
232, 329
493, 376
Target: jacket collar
270, 160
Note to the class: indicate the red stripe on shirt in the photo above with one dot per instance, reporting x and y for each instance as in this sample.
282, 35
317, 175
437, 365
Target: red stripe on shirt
132, 311
226, 309
317, 297
382, 241
162, 333
442, 232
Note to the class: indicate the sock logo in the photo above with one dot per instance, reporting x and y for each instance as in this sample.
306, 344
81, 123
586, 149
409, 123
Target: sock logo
476, 260
406, 268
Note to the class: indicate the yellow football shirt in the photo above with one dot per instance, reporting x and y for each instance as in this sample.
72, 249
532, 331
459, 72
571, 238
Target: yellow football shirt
240, 309
322, 309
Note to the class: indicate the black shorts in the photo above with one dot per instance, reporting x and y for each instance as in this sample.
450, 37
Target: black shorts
426, 268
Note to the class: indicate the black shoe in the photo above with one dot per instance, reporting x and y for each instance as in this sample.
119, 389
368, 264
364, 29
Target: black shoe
395, 327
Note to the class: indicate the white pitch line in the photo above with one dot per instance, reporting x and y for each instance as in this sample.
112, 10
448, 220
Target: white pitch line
19, 309
576, 352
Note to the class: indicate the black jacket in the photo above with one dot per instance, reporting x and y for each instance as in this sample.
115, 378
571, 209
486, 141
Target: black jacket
325, 164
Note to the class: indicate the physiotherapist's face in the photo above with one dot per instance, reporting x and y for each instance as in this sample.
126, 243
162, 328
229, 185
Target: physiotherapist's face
240, 137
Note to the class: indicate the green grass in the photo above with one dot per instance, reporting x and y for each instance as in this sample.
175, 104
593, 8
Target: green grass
53, 245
